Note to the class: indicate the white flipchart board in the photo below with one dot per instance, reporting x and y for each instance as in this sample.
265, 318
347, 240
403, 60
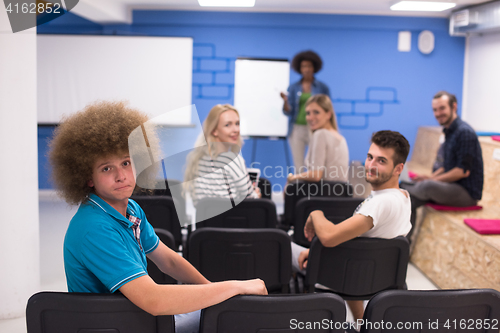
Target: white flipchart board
257, 87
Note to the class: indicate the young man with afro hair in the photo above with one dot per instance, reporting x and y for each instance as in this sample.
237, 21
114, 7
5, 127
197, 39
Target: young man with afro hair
109, 237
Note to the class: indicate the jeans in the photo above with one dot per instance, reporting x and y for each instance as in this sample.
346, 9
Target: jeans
188, 322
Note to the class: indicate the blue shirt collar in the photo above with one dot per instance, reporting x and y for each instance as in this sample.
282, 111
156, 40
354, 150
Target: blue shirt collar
95, 200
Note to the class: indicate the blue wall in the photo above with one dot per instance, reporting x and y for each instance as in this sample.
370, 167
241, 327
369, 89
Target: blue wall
373, 85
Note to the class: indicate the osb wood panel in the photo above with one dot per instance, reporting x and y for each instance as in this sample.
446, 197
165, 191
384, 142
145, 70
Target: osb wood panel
491, 188
426, 146
486, 213
454, 256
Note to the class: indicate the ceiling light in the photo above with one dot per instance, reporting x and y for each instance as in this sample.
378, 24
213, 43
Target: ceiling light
227, 3
423, 6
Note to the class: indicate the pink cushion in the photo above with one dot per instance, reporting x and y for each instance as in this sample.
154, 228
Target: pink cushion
453, 208
483, 226
496, 137
412, 175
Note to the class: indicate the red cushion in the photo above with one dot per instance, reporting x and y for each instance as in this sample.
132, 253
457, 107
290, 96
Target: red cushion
496, 137
483, 226
453, 208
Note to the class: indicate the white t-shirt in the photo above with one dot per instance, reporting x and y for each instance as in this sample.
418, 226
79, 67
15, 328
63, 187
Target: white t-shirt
390, 210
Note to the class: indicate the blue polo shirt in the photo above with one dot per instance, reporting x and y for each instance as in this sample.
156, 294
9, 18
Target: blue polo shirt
101, 253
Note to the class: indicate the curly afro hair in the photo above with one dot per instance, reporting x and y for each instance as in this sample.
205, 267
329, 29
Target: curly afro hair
99, 130
310, 56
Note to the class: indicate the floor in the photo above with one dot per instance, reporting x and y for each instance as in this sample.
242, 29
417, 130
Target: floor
54, 219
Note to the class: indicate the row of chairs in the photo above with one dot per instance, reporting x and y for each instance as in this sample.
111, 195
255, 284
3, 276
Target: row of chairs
264, 186
234, 254
250, 213
411, 311
300, 190
261, 213
356, 269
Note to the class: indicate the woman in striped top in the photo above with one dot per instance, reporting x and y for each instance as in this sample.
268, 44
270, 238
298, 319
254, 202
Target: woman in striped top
215, 168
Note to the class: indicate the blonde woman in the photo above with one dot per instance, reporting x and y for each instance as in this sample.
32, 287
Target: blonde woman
328, 155
216, 169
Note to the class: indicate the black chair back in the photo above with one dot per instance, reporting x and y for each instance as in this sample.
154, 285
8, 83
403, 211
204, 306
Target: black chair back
139, 191
336, 210
265, 187
58, 312
301, 189
359, 268
153, 271
159, 191
249, 213
161, 213
275, 313
238, 254
472, 310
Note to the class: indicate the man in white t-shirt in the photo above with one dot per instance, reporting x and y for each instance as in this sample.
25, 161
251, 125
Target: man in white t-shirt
384, 214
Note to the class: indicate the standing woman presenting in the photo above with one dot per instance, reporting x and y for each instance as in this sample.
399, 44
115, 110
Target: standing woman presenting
306, 63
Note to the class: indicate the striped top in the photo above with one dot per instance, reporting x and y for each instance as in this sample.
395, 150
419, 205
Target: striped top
222, 177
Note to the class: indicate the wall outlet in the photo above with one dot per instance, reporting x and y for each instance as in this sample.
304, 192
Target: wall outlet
496, 154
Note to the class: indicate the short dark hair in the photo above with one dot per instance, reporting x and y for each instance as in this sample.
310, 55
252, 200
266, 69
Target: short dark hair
452, 99
394, 140
307, 55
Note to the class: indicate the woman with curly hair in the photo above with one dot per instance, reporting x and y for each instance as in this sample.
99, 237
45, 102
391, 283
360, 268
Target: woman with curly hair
109, 237
215, 169
306, 63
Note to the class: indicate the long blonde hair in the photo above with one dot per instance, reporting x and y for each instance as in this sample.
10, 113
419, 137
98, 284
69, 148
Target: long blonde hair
326, 104
205, 144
